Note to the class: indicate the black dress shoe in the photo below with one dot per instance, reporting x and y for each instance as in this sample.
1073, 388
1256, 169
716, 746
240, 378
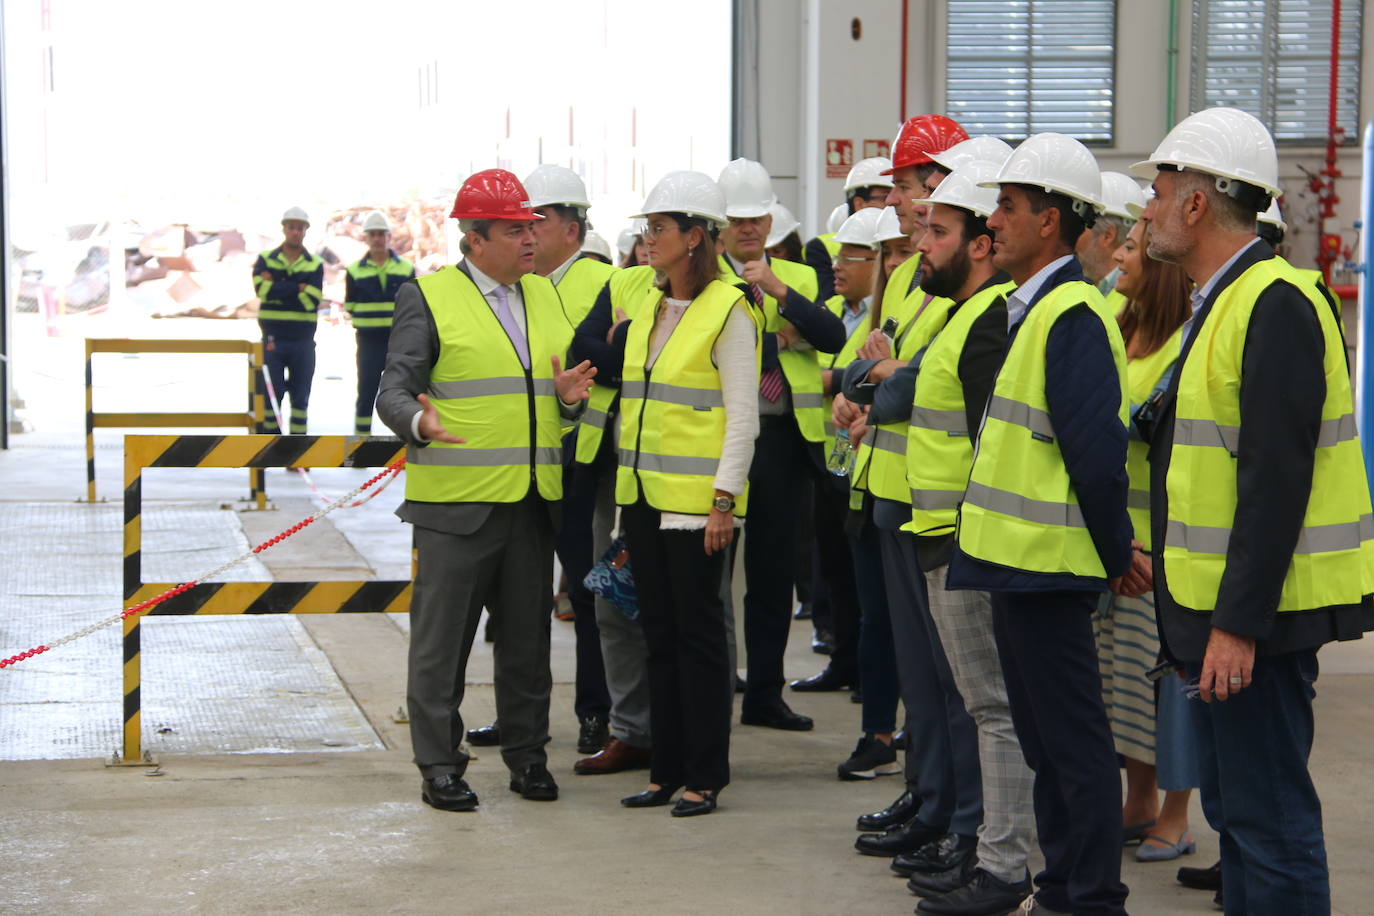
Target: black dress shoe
593, 735
777, 715
448, 792
950, 851
895, 814
1203, 879
983, 895
803, 611
938, 883
828, 679
823, 642
486, 736
909, 837
650, 798
535, 783
687, 808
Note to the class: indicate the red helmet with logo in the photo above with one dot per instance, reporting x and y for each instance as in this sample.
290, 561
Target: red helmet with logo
920, 137
493, 194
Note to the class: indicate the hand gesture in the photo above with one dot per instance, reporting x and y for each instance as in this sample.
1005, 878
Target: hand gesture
877, 346
858, 429
843, 412
430, 427
573, 385
759, 272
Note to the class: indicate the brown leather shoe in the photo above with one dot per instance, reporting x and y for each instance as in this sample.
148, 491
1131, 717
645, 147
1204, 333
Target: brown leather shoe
615, 757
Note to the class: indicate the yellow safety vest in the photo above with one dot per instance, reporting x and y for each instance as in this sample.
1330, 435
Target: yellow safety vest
801, 367
672, 417
580, 286
1020, 509
1333, 562
508, 414
1142, 375
828, 240
630, 288
836, 362
373, 288
1115, 302
939, 449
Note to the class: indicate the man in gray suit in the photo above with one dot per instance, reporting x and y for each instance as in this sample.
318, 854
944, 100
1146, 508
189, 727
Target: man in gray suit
473, 385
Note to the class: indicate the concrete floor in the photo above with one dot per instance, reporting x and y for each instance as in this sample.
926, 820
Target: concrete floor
345, 832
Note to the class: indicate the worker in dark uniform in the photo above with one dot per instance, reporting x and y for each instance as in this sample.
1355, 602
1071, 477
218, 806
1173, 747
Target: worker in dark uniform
288, 280
370, 298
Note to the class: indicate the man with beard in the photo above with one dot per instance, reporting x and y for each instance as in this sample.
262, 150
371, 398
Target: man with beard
984, 873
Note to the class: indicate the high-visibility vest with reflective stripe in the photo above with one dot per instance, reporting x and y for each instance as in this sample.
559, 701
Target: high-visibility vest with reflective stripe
299, 304
887, 463
1333, 562
801, 367
836, 362
672, 417
372, 288
1142, 375
630, 287
508, 414
580, 286
939, 450
1020, 509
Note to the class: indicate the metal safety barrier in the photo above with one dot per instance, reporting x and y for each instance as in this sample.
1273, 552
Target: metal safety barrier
140, 452
251, 419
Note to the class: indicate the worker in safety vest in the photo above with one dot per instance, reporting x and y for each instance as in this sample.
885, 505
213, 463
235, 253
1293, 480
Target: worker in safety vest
941, 758
792, 427
1121, 199
985, 873
1043, 524
475, 387
866, 185
1260, 503
288, 280
370, 288
832, 565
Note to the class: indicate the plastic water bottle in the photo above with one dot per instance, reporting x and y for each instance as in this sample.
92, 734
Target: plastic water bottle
840, 461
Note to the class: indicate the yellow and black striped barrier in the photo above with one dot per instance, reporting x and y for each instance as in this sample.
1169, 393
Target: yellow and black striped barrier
252, 419
256, 452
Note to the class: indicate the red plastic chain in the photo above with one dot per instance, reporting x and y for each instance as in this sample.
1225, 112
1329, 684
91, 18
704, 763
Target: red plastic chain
153, 602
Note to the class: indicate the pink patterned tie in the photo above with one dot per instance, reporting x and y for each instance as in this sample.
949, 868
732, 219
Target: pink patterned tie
770, 381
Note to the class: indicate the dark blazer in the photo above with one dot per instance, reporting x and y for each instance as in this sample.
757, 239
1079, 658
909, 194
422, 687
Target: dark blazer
1283, 386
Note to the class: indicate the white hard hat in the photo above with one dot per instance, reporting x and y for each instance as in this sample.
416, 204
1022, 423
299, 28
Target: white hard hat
784, 224
376, 220
1118, 193
691, 193
974, 149
1225, 142
748, 189
861, 228
836, 219
1060, 165
968, 188
553, 184
869, 173
1273, 217
889, 226
1136, 209
595, 244
625, 242
295, 213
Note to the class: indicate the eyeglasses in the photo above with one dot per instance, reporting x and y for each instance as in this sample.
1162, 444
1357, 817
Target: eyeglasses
844, 260
652, 232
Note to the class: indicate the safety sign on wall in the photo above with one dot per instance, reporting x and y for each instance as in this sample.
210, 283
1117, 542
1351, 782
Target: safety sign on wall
839, 158
876, 148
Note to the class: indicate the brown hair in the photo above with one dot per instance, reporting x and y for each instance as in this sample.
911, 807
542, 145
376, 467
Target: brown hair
703, 263
1160, 305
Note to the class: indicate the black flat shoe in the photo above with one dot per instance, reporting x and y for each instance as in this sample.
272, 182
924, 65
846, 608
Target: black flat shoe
777, 715
828, 679
448, 793
650, 798
687, 808
486, 736
894, 815
535, 783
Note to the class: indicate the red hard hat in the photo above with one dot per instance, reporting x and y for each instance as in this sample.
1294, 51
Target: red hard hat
921, 136
493, 194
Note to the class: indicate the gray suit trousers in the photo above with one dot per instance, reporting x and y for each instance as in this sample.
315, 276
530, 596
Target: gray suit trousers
505, 565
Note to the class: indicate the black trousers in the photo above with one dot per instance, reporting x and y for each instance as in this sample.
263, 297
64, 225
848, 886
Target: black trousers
290, 365
834, 572
1049, 660
574, 546
691, 685
782, 466
371, 360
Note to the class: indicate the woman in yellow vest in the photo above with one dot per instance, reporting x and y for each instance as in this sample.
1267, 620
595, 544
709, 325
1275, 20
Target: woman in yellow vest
1149, 727
688, 420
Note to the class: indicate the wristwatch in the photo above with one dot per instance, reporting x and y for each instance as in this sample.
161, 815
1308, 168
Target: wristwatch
724, 503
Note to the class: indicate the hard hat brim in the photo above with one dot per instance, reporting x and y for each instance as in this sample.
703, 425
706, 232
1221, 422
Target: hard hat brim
1150, 167
712, 218
1048, 187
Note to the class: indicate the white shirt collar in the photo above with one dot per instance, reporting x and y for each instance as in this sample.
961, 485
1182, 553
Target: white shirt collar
1025, 294
484, 283
562, 269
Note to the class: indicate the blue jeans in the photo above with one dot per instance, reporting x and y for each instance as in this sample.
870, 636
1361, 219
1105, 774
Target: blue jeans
1257, 793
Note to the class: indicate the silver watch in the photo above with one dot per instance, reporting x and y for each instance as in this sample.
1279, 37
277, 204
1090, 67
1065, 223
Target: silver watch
724, 503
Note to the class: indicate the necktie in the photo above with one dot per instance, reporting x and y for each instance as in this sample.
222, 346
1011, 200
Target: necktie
517, 337
770, 380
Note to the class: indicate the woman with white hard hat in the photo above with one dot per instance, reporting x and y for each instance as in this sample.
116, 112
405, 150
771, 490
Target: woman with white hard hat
783, 241
688, 420
630, 244
866, 185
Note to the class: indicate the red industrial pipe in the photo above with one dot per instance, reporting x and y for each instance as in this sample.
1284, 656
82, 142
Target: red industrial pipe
1329, 243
